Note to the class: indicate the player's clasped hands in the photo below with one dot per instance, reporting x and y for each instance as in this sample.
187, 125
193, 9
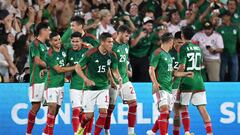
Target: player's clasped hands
89, 82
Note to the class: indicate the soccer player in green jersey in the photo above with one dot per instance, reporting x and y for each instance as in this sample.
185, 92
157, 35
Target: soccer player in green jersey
56, 61
37, 52
127, 92
75, 53
192, 89
178, 42
161, 73
98, 64
77, 25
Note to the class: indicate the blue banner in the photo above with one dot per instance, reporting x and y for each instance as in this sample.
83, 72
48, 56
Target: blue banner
223, 107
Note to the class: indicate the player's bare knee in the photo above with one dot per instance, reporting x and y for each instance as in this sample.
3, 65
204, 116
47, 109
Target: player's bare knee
164, 108
134, 101
183, 108
52, 108
89, 116
36, 106
102, 110
111, 106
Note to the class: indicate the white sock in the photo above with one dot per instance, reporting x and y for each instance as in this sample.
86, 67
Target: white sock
107, 131
130, 130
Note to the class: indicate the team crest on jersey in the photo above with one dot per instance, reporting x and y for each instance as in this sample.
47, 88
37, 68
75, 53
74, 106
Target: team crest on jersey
234, 31
126, 50
64, 54
170, 68
57, 58
236, 16
108, 62
96, 61
82, 55
222, 32
71, 58
118, 50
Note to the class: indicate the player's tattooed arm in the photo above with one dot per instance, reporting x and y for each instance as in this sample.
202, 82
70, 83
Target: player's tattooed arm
117, 75
152, 75
79, 71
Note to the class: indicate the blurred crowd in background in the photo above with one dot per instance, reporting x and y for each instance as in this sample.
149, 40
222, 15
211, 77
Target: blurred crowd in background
216, 23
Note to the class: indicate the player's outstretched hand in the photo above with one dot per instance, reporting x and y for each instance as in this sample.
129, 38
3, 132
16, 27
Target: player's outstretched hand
156, 87
89, 82
190, 74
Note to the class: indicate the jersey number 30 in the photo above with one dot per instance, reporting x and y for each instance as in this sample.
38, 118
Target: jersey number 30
193, 58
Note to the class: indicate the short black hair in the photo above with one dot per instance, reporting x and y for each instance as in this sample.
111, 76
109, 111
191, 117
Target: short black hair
123, 28
166, 37
104, 36
78, 19
3, 14
172, 11
178, 35
53, 34
232, 0
188, 32
76, 34
40, 26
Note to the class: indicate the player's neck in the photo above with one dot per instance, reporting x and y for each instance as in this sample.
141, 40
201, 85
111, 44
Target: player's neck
118, 40
102, 50
188, 41
165, 48
82, 32
43, 40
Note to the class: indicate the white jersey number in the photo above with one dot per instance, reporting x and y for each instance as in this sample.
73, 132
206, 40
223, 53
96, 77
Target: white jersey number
193, 58
102, 69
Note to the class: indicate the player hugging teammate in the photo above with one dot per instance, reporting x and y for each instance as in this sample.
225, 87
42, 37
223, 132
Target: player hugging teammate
99, 75
187, 58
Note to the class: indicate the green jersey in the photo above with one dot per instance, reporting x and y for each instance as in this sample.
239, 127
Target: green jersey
162, 61
121, 51
73, 57
143, 46
54, 58
36, 48
231, 37
191, 57
97, 66
87, 38
175, 58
